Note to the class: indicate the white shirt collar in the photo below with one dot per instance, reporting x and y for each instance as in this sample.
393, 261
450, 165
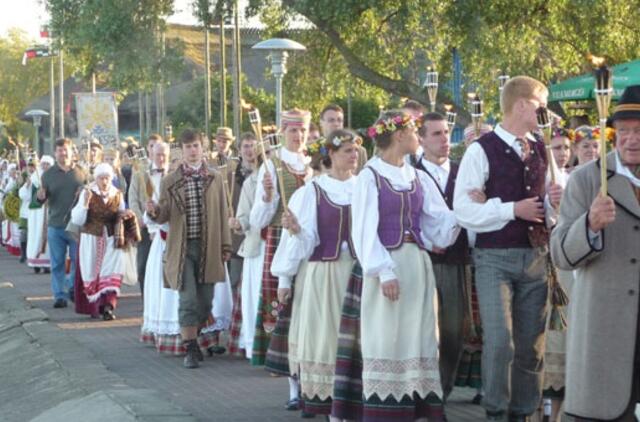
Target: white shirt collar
444, 167
297, 160
510, 138
625, 171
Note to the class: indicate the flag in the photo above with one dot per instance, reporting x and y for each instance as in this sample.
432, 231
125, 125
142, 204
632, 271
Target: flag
35, 52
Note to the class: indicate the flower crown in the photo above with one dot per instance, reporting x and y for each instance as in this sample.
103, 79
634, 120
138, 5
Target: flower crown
316, 147
566, 133
390, 125
322, 146
583, 133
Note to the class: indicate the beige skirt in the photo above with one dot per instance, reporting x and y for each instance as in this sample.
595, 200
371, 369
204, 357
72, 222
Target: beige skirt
318, 321
400, 339
556, 343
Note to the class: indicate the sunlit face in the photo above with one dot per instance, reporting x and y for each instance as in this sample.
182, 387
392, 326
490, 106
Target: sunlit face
295, 137
160, 156
528, 107
192, 152
248, 150
113, 160
628, 140
435, 142
103, 181
344, 158
31, 169
586, 150
313, 136
561, 149
223, 145
95, 155
150, 145
63, 155
408, 140
331, 120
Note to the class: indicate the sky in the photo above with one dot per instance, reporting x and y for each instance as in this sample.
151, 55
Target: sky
29, 15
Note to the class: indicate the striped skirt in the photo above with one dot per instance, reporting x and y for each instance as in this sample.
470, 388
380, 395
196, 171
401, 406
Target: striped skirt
469, 372
268, 306
277, 359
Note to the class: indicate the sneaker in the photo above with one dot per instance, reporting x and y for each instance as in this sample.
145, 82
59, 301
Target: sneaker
60, 303
191, 358
293, 404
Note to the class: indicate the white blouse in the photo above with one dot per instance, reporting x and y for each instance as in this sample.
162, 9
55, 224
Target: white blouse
79, 212
293, 249
262, 212
437, 223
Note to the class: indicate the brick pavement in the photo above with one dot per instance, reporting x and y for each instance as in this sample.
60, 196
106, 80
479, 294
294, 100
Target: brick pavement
223, 389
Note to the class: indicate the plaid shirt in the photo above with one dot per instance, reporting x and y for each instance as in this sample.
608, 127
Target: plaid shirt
193, 199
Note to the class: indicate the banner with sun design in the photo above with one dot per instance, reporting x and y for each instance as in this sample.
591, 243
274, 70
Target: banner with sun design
98, 116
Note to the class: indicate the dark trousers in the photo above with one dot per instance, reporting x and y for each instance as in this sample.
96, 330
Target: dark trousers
143, 253
450, 286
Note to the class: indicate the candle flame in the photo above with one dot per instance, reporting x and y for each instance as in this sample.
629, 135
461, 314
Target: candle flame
245, 105
471, 95
448, 107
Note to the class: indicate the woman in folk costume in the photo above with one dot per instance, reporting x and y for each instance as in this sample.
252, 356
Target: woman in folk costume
25, 199
267, 214
37, 245
586, 146
318, 236
11, 224
160, 325
106, 260
398, 214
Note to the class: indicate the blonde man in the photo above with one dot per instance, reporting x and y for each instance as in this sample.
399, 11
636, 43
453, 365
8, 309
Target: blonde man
509, 164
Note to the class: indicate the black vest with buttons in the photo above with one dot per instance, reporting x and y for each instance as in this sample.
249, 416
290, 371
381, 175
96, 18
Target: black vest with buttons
512, 180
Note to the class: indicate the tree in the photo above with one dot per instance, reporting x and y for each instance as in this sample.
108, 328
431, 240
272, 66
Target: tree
388, 43
116, 39
19, 85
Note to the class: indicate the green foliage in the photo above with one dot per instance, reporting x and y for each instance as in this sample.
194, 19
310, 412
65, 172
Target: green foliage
119, 40
389, 43
190, 110
19, 84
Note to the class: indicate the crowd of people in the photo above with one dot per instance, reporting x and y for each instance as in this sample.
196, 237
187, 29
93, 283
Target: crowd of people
376, 285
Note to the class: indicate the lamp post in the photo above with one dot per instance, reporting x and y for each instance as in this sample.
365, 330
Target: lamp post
278, 49
37, 115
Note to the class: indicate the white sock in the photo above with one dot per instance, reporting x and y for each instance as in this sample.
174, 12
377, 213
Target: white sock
547, 407
294, 388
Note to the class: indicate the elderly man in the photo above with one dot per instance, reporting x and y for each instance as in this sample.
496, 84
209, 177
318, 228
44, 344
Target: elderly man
144, 185
599, 237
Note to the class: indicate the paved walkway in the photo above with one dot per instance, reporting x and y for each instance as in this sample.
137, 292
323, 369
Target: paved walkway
223, 389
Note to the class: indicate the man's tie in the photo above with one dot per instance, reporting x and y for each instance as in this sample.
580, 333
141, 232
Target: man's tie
157, 171
525, 148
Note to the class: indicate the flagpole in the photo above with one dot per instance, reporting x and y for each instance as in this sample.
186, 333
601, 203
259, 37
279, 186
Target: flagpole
61, 93
52, 105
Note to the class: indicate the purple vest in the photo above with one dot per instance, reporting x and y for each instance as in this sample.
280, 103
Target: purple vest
458, 253
399, 212
334, 227
511, 180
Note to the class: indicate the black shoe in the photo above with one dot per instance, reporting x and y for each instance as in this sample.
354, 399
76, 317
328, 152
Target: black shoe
518, 418
495, 416
72, 295
60, 303
477, 399
216, 350
47, 270
191, 358
293, 404
107, 314
36, 270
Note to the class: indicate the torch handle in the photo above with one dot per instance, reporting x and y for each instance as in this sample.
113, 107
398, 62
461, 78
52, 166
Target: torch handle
283, 195
550, 158
603, 157
228, 195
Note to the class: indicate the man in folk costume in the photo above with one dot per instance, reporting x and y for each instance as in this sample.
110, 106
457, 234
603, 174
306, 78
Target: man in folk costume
332, 118
37, 245
449, 265
144, 183
267, 214
60, 186
192, 201
510, 165
599, 238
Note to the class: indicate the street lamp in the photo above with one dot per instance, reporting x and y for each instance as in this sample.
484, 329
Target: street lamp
278, 48
37, 121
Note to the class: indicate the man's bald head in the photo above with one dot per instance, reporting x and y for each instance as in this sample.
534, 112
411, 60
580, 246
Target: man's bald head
160, 154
